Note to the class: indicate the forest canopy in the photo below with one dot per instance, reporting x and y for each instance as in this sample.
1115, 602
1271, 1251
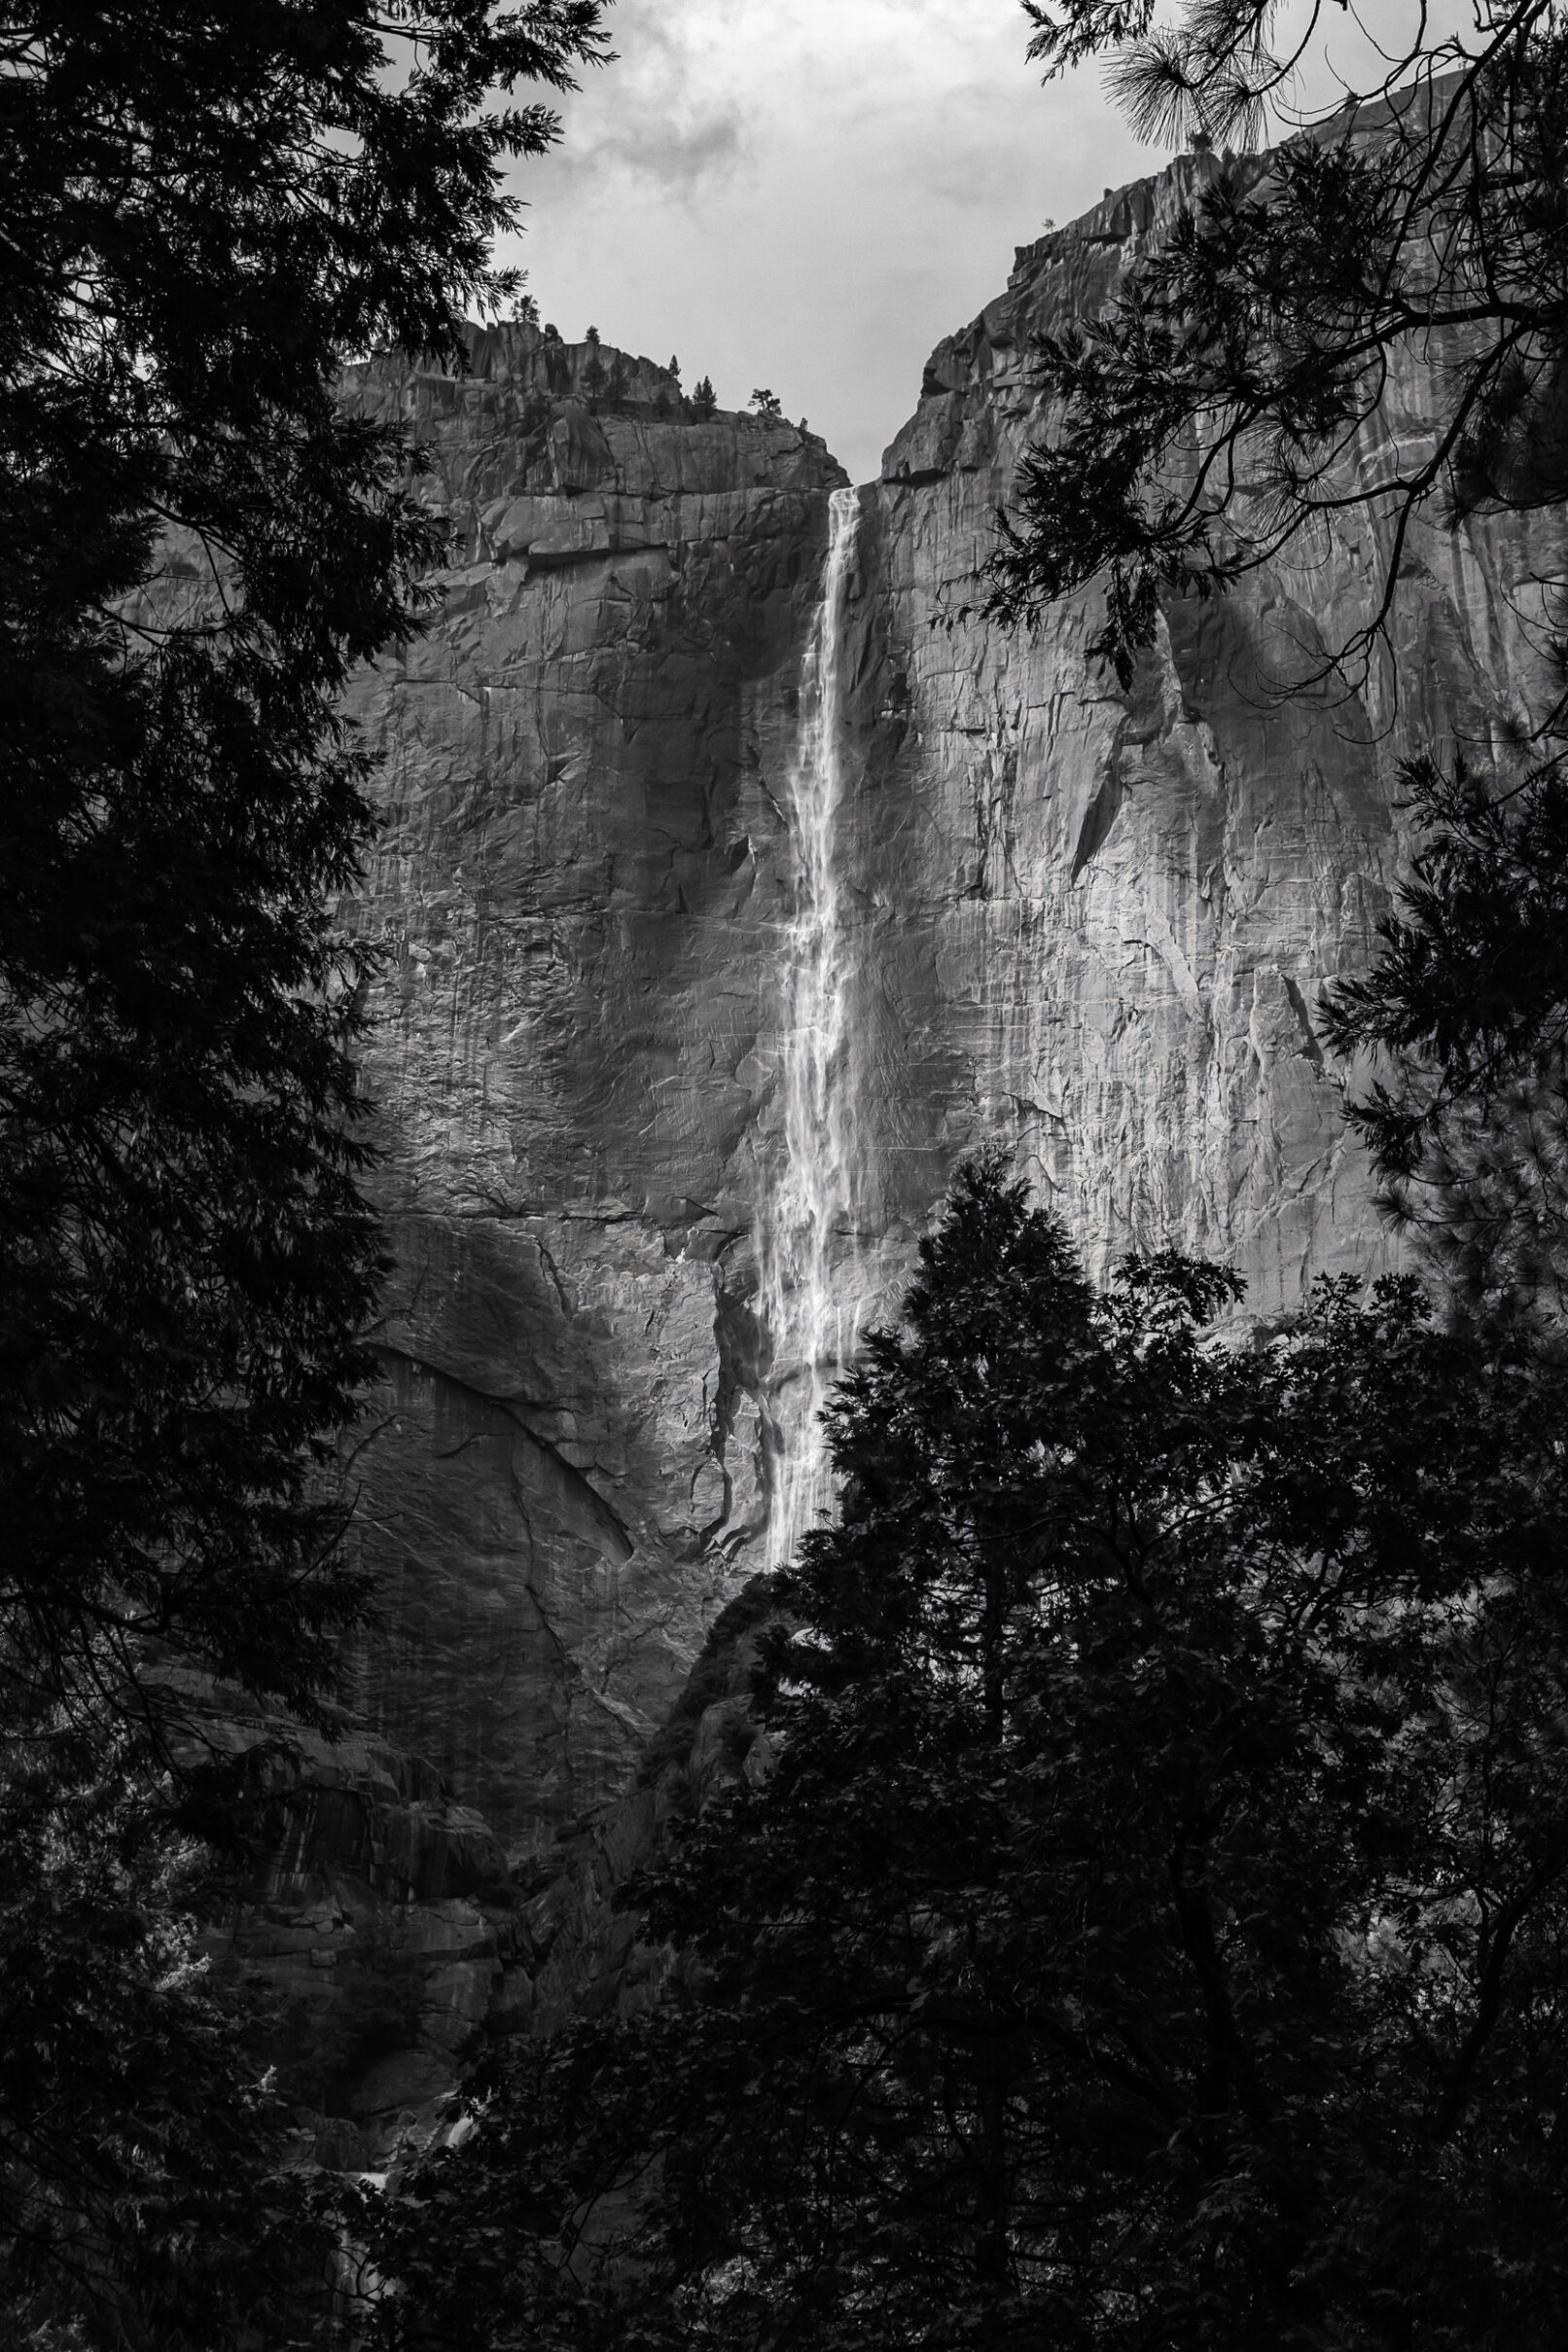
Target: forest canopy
1152, 1932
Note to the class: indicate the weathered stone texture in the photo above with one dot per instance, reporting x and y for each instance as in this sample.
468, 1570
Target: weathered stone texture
579, 886
1092, 923
1102, 919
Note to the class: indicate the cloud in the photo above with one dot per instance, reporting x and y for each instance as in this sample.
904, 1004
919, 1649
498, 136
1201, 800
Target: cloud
807, 192
699, 88
660, 118
679, 154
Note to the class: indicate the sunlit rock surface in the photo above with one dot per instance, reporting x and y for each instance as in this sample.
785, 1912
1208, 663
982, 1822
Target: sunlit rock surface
1103, 919
1089, 923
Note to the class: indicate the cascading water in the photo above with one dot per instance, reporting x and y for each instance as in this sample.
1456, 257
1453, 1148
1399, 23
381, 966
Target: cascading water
809, 1297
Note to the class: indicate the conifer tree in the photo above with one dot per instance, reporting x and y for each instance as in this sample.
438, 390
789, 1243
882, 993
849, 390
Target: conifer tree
206, 209
1205, 415
1152, 1932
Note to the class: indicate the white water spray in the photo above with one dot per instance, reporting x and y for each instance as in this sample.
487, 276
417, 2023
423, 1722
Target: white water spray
808, 1301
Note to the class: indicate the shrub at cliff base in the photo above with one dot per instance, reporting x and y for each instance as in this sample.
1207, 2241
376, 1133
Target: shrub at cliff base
205, 206
1154, 1932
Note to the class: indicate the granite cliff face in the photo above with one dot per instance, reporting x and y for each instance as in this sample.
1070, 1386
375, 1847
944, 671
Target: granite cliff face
577, 889
1093, 924
1108, 917
579, 883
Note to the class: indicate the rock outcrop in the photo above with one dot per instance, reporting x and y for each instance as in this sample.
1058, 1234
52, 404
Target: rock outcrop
1091, 923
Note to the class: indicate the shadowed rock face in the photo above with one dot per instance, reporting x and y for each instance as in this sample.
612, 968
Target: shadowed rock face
580, 886
1093, 924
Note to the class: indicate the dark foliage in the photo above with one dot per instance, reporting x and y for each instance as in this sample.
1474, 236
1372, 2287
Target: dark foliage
147, 2197
1152, 1932
206, 208
1467, 1011
1210, 417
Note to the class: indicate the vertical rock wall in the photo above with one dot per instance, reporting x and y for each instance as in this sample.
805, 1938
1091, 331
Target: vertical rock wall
579, 891
1097, 923
1092, 923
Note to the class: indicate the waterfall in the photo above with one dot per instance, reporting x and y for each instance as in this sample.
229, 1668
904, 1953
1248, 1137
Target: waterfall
808, 1303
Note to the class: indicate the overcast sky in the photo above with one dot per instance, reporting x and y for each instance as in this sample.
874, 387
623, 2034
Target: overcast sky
810, 194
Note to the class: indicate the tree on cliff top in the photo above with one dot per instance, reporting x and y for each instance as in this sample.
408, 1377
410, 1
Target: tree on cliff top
1209, 420
1152, 1935
206, 206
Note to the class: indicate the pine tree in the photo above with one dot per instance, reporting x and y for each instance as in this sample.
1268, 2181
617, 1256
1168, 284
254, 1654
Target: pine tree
1152, 1932
206, 211
1467, 1007
1204, 415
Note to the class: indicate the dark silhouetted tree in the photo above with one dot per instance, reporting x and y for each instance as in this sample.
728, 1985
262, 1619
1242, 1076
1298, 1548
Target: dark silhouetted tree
1152, 1933
1203, 418
1466, 1013
205, 211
